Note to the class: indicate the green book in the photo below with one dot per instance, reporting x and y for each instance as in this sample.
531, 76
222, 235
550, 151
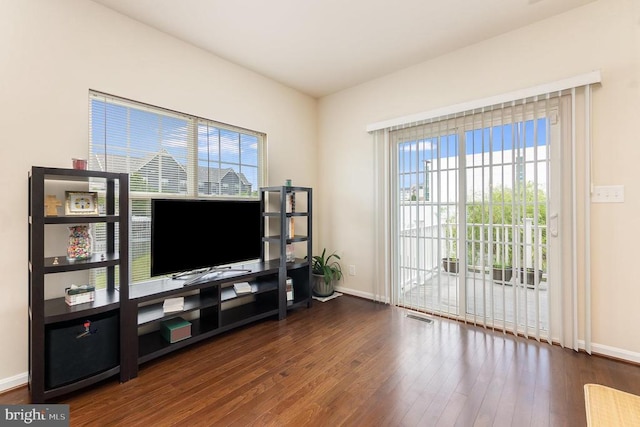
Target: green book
176, 329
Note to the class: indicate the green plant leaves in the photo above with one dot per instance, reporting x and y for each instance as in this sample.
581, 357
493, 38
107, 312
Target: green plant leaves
327, 266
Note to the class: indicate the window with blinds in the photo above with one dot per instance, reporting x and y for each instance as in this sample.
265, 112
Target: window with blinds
169, 154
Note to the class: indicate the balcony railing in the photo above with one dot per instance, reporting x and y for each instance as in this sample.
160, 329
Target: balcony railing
521, 246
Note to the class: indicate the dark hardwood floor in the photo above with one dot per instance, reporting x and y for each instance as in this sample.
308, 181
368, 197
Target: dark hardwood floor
353, 362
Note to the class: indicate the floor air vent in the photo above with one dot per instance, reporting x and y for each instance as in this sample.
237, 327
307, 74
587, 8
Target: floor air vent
417, 317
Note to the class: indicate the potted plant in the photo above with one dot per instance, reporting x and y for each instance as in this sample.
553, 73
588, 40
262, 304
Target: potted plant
528, 276
326, 270
502, 272
450, 264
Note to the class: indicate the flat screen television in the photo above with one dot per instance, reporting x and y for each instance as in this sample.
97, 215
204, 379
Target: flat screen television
195, 234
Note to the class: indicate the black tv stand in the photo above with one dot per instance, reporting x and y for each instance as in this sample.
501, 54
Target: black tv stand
211, 305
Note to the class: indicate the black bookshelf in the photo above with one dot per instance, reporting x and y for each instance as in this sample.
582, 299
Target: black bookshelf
49, 318
278, 215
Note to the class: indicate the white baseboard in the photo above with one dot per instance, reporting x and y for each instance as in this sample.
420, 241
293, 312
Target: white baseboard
616, 353
13, 382
365, 295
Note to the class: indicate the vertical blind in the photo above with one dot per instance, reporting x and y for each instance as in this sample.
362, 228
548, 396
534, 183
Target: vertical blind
494, 185
170, 155
471, 216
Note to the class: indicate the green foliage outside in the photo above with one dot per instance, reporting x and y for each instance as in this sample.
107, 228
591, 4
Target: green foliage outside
492, 224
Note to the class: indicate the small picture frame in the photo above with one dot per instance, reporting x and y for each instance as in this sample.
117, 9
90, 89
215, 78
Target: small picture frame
81, 203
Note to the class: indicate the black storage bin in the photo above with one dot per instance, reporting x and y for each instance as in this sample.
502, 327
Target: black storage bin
80, 348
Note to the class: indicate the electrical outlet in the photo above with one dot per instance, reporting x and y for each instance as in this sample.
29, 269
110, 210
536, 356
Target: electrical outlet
352, 270
608, 194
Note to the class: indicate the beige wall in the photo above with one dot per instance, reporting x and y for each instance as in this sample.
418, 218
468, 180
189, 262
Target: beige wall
605, 36
51, 54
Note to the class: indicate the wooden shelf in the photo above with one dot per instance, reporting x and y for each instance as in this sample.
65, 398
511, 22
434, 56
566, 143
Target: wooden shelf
298, 263
80, 219
60, 264
155, 312
277, 238
286, 189
57, 310
288, 214
166, 286
302, 302
228, 293
153, 345
63, 174
247, 313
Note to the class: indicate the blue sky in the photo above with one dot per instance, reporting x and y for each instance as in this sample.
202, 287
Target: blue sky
413, 154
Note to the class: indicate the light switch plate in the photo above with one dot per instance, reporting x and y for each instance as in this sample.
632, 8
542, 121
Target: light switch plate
608, 194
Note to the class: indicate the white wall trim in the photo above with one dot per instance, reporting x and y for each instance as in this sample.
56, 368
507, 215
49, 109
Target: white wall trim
560, 85
617, 353
366, 295
13, 382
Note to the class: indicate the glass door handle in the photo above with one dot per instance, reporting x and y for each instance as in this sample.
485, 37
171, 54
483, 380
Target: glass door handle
553, 225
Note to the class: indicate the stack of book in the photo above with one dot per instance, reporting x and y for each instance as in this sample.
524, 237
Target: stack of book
176, 329
289, 286
79, 294
291, 207
172, 305
291, 202
242, 288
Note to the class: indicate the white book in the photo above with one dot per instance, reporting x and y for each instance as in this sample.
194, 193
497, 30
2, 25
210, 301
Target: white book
242, 288
289, 287
171, 305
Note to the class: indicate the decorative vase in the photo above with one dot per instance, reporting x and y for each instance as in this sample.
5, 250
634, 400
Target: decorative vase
320, 287
80, 243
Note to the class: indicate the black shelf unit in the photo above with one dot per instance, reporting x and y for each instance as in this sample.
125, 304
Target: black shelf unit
49, 319
275, 231
210, 305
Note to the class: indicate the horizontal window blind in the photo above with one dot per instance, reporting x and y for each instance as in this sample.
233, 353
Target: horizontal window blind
169, 154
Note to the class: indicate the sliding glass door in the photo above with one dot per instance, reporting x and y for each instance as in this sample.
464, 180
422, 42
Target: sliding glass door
472, 196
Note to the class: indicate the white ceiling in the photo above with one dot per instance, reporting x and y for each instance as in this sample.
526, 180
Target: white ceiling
323, 46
